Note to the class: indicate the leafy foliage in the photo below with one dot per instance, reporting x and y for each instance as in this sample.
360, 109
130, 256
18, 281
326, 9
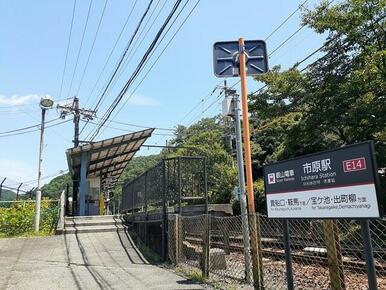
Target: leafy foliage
18, 218
207, 138
340, 99
54, 188
135, 167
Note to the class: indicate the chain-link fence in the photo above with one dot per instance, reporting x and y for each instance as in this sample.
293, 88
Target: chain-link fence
17, 217
326, 254
172, 182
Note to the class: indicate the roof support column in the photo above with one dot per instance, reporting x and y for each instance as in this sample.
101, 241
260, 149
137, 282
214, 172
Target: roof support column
83, 186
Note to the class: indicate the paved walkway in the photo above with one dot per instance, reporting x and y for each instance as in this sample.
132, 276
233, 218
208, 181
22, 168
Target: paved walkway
82, 261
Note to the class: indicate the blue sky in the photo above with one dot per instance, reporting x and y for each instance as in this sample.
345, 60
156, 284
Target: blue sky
33, 42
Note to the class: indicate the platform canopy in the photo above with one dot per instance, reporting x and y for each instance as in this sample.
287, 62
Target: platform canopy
108, 158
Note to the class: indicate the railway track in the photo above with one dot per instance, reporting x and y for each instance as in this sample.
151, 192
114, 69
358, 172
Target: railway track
274, 251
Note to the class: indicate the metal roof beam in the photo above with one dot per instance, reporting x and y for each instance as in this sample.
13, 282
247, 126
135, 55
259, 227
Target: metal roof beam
112, 166
114, 145
111, 157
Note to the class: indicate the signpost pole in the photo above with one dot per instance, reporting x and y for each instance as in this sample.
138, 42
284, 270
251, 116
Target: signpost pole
254, 222
368, 251
288, 257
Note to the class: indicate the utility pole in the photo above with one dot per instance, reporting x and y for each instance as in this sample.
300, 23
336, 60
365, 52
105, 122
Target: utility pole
77, 114
235, 113
76, 122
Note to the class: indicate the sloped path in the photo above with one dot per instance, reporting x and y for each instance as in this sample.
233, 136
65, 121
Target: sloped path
106, 260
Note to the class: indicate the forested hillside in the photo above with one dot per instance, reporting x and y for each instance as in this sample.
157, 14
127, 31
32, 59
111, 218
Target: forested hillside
55, 187
7, 195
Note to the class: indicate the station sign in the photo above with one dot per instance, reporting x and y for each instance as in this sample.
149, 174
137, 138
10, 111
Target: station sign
226, 58
341, 183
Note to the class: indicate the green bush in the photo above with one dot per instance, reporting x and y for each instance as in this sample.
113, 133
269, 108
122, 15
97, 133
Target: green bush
18, 218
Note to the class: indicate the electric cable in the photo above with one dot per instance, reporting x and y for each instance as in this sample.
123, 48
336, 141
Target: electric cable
111, 51
68, 48
166, 46
80, 48
92, 48
136, 71
25, 132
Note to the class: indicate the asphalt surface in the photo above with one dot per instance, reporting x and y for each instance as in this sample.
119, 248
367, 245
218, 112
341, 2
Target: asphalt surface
81, 261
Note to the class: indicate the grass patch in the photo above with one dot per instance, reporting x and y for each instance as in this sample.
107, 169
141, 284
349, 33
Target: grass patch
148, 253
193, 274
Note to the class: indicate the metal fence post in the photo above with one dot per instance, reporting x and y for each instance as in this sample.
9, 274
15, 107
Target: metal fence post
206, 232
179, 184
368, 251
164, 213
67, 203
288, 257
1, 186
257, 264
334, 254
206, 246
177, 239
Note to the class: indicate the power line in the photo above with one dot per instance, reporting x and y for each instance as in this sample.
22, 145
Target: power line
300, 62
80, 48
286, 40
68, 47
123, 55
92, 47
277, 48
292, 35
119, 63
29, 127
127, 130
111, 52
269, 36
285, 20
25, 132
139, 126
166, 46
136, 71
131, 53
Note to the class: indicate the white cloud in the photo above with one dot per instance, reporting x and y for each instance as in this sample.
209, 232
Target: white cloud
145, 101
18, 100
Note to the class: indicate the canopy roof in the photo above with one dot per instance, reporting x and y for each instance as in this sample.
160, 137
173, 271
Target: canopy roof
107, 158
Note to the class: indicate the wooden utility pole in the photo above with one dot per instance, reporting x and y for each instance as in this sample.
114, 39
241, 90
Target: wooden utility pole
77, 113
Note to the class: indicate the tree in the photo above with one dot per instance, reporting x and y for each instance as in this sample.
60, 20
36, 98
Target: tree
7, 195
340, 99
54, 188
207, 138
134, 168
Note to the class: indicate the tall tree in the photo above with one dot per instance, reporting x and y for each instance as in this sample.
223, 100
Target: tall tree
207, 138
339, 99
